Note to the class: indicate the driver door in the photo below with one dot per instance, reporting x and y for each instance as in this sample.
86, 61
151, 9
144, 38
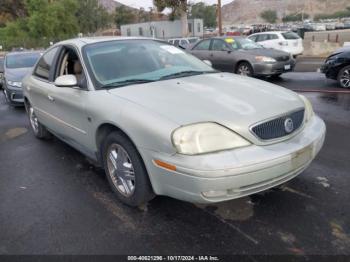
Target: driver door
221, 56
68, 104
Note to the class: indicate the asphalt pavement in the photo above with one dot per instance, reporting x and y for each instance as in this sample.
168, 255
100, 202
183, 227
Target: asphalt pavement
54, 201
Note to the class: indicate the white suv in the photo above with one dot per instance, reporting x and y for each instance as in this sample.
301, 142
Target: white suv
183, 42
285, 41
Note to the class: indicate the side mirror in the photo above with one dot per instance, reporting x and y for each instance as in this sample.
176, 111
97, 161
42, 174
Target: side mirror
208, 63
226, 49
66, 81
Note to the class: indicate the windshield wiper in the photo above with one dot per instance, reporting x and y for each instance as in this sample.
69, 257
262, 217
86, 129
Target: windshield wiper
127, 82
186, 73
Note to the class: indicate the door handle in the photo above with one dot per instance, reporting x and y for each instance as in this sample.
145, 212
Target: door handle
51, 98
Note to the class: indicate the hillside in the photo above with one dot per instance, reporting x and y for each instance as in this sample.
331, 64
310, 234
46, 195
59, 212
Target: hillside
248, 11
110, 5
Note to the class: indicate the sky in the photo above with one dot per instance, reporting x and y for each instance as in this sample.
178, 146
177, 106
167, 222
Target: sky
148, 3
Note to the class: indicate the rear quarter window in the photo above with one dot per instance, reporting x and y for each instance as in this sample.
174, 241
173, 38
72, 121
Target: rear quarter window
290, 36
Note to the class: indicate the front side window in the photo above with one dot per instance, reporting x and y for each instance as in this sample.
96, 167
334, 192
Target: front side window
218, 45
45, 63
24, 60
120, 62
203, 45
243, 43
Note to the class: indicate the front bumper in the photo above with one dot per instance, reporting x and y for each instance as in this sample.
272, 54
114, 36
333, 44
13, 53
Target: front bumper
13, 94
235, 173
268, 69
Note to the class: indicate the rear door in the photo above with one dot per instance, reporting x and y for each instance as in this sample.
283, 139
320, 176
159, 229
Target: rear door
268, 40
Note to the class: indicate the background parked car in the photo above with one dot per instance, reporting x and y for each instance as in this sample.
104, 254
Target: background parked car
1, 70
183, 42
243, 56
337, 67
16, 66
284, 40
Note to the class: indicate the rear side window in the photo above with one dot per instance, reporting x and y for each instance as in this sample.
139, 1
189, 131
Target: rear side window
262, 38
43, 68
204, 45
290, 36
273, 37
176, 42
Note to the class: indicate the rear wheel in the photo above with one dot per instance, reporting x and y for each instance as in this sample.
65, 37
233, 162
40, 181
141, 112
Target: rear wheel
125, 170
344, 77
38, 129
244, 69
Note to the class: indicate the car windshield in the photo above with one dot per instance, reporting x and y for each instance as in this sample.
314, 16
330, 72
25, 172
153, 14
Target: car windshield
24, 60
243, 43
124, 62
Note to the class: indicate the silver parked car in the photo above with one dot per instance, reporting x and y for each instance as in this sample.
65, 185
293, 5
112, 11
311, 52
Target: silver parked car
162, 122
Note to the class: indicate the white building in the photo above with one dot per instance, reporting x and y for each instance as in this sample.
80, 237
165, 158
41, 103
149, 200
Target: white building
163, 29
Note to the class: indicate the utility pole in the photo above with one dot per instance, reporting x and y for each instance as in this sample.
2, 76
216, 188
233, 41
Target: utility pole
219, 17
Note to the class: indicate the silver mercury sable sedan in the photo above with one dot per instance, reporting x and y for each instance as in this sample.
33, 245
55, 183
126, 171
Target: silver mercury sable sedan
162, 122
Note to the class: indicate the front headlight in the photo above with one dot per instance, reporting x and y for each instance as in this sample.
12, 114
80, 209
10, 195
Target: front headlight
265, 59
14, 83
309, 112
205, 138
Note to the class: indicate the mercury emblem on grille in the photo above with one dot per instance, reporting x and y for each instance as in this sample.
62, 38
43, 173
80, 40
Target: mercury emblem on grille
288, 125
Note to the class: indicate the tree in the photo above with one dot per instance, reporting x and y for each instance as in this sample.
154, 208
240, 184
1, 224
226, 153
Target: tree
177, 7
205, 12
92, 16
13, 9
295, 17
269, 16
123, 15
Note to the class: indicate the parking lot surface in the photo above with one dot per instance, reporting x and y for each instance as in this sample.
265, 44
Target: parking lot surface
54, 201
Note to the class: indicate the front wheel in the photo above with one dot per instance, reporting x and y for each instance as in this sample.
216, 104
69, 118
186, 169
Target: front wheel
38, 129
344, 77
125, 170
244, 69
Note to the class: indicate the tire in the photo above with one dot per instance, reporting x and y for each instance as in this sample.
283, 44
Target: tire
38, 129
131, 184
245, 69
344, 77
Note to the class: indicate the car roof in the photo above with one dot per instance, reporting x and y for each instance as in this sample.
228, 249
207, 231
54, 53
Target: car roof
25, 52
92, 40
271, 32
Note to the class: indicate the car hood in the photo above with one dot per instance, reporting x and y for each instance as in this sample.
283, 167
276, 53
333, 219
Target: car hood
231, 100
266, 52
16, 74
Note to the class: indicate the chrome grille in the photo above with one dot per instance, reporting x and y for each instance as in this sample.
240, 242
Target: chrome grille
276, 128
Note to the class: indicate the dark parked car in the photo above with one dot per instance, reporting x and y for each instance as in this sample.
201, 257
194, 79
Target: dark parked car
243, 56
16, 66
337, 67
1, 71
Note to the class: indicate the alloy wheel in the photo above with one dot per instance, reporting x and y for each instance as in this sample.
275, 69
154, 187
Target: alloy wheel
345, 79
244, 70
33, 120
121, 170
